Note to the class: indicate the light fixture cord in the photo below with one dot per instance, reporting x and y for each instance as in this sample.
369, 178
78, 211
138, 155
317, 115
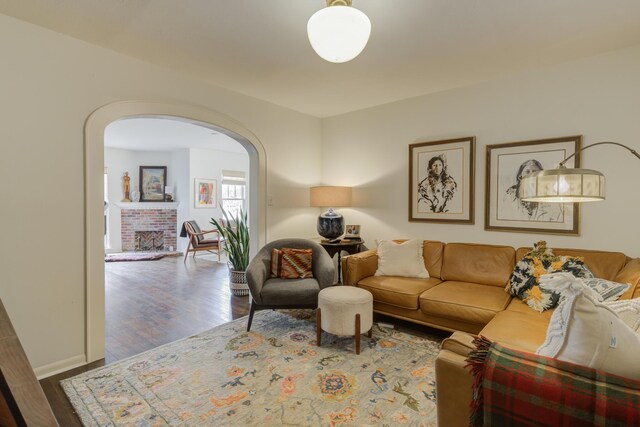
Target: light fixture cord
634, 152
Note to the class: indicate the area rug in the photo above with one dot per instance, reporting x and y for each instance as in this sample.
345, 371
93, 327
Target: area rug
274, 375
132, 257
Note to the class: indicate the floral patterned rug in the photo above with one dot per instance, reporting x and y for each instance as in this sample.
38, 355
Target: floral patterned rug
274, 375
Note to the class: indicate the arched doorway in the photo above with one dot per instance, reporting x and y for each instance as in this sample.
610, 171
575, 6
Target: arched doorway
94, 168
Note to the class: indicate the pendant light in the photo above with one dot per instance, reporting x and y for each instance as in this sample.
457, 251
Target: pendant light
339, 32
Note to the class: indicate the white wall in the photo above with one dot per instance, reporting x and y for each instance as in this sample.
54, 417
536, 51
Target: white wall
183, 166
597, 97
50, 84
119, 161
180, 165
208, 164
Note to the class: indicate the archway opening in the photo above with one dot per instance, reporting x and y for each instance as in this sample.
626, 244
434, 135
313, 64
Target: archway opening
94, 193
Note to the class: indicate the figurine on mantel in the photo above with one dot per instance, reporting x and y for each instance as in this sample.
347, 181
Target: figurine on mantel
127, 187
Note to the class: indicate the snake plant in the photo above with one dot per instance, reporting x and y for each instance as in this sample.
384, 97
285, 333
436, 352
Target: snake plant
235, 232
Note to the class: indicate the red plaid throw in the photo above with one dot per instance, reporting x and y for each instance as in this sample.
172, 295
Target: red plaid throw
514, 388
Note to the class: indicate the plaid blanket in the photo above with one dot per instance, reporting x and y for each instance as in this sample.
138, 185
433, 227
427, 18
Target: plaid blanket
514, 388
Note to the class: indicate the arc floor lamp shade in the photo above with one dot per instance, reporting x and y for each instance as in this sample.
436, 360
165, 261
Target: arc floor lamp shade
567, 185
564, 185
330, 223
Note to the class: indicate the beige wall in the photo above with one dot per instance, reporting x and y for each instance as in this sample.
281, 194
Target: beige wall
50, 84
597, 97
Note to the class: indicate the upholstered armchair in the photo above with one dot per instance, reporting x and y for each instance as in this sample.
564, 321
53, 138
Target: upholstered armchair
271, 292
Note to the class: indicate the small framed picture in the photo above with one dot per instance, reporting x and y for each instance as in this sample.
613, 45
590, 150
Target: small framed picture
152, 182
205, 193
353, 232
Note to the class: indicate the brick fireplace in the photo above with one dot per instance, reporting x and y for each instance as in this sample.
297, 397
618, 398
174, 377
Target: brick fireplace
148, 227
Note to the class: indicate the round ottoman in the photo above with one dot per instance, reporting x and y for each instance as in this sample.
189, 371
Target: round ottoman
344, 311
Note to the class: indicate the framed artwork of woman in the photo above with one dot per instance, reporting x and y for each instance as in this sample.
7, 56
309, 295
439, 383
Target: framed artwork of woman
441, 184
507, 164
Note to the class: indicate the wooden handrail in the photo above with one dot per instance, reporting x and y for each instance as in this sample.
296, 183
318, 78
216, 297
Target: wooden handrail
25, 404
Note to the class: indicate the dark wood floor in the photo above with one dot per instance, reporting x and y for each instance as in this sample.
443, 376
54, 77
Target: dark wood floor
150, 303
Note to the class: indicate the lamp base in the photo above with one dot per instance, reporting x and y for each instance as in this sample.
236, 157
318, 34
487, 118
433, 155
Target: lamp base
331, 225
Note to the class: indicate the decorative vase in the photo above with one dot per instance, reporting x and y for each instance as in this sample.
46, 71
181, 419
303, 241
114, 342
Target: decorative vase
330, 225
238, 283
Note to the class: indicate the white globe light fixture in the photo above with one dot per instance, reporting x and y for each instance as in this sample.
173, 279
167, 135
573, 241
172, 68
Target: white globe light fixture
338, 33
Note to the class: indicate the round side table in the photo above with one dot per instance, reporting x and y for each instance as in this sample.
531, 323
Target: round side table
349, 246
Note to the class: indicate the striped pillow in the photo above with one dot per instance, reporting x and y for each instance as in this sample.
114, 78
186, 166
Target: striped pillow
288, 263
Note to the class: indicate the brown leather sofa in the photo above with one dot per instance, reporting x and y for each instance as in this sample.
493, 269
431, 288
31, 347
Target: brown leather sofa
465, 294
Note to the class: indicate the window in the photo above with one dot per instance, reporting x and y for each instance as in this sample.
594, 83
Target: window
234, 192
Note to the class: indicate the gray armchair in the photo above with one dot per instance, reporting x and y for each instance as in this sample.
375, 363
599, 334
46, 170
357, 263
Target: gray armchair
271, 292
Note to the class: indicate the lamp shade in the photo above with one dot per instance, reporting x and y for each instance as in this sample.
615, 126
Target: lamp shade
563, 185
330, 196
338, 33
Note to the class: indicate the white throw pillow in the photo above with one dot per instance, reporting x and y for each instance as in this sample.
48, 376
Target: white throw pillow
628, 311
585, 331
608, 290
401, 259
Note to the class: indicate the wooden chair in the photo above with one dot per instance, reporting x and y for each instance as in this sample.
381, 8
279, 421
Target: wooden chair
197, 241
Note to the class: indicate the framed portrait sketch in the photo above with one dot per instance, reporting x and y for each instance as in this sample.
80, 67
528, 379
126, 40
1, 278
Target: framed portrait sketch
205, 193
507, 164
152, 182
441, 183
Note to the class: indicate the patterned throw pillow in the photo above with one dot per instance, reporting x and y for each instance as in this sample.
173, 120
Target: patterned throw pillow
288, 263
525, 279
608, 290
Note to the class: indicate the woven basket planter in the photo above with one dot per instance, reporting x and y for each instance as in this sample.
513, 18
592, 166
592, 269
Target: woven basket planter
238, 283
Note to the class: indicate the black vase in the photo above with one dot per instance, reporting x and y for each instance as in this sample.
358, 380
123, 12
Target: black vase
330, 225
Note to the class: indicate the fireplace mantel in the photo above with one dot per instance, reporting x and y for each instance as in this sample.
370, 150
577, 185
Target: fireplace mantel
147, 205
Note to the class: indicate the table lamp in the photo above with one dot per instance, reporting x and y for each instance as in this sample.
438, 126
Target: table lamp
330, 223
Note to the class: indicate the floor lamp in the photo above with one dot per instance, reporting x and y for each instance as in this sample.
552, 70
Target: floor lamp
567, 185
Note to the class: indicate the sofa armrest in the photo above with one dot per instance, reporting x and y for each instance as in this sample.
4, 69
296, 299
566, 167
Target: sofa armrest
453, 381
630, 274
358, 266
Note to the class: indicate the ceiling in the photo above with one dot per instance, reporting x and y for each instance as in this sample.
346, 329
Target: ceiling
148, 134
260, 47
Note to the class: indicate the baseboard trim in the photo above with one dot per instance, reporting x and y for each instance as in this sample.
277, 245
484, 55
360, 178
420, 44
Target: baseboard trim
60, 366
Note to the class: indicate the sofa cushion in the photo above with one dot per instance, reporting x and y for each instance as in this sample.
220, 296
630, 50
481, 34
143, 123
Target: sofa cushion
522, 307
521, 330
483, 264
605, 265
398, 291
433, 251
471, 302
296, 291
630, 274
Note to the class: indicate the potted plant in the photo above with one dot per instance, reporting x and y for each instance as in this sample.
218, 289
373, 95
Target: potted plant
235, 234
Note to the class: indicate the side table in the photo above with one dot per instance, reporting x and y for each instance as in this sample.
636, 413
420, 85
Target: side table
349, 246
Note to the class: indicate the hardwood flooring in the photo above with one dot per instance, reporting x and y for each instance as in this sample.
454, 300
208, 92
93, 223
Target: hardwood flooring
150, 303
